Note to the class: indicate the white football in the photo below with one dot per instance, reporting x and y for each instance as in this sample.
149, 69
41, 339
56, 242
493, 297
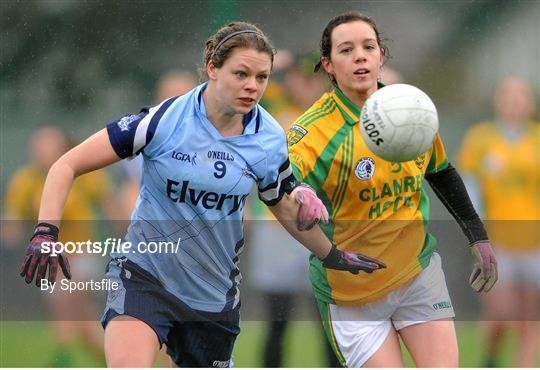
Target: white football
399, 122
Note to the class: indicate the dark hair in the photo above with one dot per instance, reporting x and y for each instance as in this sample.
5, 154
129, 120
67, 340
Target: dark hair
234, 35
353, 16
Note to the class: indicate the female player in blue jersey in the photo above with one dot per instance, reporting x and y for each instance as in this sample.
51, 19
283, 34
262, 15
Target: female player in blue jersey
202, 154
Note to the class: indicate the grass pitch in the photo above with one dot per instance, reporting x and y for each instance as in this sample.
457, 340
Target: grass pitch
29, 344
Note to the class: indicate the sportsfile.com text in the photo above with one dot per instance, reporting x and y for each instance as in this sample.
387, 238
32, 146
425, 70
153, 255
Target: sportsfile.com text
109, 245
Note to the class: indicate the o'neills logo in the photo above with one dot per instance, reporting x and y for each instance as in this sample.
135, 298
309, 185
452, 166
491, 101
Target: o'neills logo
224, 156
221, 363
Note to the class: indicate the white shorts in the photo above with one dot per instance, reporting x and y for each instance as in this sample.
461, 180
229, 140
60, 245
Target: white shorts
519, 267
359, 331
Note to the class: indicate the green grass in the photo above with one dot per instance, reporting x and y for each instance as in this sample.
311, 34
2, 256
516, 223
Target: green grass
29, 344
303, 348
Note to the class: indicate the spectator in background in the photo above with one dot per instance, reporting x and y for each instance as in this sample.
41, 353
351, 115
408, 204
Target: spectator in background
303, 85
279, 268
174, 83
501, 163
390, 76
72, 315
299, 87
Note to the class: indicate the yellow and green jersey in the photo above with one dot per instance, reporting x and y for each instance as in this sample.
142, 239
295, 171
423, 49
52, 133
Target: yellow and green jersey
508, 175
377, 208
23, 198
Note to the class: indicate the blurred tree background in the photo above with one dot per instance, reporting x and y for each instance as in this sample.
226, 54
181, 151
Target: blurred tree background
82, 63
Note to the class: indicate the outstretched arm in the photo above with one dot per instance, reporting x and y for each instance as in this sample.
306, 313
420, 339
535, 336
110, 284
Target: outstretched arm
314, 239
449, 188
286, 211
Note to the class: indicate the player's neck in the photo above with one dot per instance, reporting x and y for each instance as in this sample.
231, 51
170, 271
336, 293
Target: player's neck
358, 98
227, 122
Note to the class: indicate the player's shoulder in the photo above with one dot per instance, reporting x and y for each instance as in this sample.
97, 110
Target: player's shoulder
316, 123
173, 106
98, 179
268, 131
172, 117
26, 180
27, 175
323, 110
482, 129
267, 124
535, 128
534, 132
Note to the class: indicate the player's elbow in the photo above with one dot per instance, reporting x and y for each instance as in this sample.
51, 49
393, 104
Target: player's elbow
62, 168
286, 209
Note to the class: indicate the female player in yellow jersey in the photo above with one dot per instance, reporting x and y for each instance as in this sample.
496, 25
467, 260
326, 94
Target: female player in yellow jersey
501, 166
381, 209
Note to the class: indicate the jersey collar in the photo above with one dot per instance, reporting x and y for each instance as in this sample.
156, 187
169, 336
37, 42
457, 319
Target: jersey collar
348, 109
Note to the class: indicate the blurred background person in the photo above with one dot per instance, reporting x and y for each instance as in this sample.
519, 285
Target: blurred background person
279, 272
278, 267
172, 83
390, 76
501, 163
294, 86
73, 316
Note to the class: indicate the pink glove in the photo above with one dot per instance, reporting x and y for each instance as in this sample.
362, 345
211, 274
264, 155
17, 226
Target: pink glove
484, 273
312, 209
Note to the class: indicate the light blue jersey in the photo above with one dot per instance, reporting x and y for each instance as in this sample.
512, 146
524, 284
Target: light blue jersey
194, 186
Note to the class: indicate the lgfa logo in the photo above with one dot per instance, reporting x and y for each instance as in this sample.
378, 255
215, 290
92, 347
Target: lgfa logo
183, 157
365, 168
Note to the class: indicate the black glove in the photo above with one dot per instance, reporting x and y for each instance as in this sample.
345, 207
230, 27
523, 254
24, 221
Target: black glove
352, 262
38, 260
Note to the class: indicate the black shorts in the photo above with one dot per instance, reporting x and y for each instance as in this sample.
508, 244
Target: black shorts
193, 338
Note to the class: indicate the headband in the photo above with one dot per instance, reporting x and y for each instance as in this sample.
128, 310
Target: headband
231, 35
